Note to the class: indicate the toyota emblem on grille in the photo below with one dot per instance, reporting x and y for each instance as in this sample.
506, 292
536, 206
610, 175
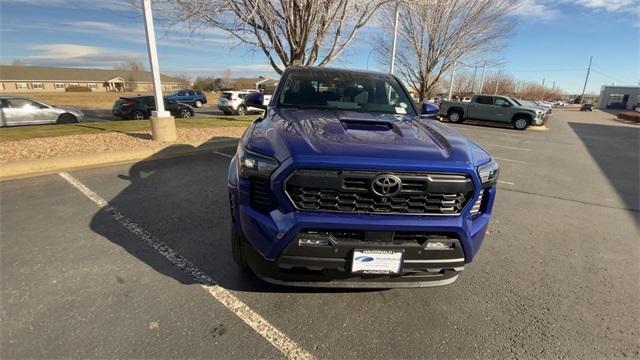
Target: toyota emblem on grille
386, 185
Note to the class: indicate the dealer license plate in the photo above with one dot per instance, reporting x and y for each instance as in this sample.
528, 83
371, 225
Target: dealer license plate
376, 261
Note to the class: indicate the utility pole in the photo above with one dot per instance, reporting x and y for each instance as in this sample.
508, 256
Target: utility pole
473, 83
484, 67
554, 86
586, 80
543, 79
395, 39
163, 125
497, 83
453, 74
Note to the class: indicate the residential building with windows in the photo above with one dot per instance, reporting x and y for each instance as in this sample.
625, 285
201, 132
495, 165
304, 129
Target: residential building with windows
40, 78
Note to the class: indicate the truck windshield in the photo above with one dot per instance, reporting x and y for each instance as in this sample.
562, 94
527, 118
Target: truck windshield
339, 90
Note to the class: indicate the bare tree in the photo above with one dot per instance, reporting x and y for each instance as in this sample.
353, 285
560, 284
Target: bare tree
500, 83
432, 34
130, 65
463, 83
184, 80
227, 82
17, 62
288, 32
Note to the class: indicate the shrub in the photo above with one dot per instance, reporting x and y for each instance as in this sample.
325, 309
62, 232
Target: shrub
630, 116
77, 89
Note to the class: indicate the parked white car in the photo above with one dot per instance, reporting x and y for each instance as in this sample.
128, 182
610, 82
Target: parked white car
232, 102
15, 110
466, 99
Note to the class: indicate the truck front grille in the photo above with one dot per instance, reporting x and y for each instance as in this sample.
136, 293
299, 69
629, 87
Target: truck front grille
350, 191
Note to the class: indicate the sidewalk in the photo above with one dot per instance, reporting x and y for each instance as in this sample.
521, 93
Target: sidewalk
28, 168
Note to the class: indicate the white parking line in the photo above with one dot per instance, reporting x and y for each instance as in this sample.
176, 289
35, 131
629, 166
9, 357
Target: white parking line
510, 160
260, 325
223, 154
505, 182
509, 147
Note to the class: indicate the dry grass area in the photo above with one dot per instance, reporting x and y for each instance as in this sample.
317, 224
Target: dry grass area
52, 147
88, 100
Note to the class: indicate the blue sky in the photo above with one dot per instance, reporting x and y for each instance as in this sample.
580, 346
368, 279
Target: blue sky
553, 41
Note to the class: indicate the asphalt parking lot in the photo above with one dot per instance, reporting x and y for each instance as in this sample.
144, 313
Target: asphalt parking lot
103, 263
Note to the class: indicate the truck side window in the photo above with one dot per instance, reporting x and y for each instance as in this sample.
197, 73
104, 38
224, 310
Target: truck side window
502, 101
485, 100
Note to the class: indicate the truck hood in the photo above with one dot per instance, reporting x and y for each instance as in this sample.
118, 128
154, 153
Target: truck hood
310, 132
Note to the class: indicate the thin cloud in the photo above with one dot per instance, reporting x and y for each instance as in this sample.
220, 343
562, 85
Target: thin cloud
608, 5
535, 9
78, 55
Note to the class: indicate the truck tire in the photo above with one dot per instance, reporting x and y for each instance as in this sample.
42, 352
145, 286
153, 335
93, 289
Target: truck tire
520, 122
455, 116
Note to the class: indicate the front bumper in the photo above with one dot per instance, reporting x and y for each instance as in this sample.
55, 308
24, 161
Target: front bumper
271, 238
329, 265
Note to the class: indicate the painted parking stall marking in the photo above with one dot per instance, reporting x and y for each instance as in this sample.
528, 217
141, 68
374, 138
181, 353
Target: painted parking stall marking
510, 160
260, 325
223, 154
509, 147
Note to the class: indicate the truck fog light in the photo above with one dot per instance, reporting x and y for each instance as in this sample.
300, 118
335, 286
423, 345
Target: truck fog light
312, 242
438, 245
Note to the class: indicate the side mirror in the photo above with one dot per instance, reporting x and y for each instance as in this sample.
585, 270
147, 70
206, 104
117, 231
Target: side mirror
255, 99
429, 109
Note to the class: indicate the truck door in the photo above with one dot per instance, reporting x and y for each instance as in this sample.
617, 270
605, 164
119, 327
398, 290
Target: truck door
481, 108
502, 110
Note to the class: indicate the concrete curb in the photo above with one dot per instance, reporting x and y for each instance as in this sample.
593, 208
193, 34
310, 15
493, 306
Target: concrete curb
29, 168
538, 128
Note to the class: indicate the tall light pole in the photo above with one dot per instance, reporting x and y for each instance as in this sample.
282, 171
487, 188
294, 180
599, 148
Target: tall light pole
453, 74
473, 82
585, 81
163, 125
484, 67
395, 38
497, 83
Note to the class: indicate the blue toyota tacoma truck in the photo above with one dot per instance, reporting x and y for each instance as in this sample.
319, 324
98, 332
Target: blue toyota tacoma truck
342, 182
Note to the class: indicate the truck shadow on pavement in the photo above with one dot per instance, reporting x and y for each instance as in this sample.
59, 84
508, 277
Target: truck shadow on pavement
615, 149
183, 202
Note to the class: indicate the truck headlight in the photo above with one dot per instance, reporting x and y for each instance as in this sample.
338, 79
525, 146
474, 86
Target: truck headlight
489, 173
254, 164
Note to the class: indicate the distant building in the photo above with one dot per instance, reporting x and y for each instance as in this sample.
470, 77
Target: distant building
40, 78
261, 83
619, 97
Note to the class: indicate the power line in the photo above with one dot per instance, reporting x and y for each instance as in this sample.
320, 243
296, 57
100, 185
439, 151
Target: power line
607, 75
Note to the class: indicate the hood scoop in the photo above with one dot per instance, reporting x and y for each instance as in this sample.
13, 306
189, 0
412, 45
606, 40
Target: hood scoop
366, 125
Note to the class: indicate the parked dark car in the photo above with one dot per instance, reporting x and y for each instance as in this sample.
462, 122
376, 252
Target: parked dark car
140, 107
192, 97
586, 107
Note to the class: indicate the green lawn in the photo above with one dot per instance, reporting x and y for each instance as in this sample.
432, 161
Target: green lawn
34, 131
